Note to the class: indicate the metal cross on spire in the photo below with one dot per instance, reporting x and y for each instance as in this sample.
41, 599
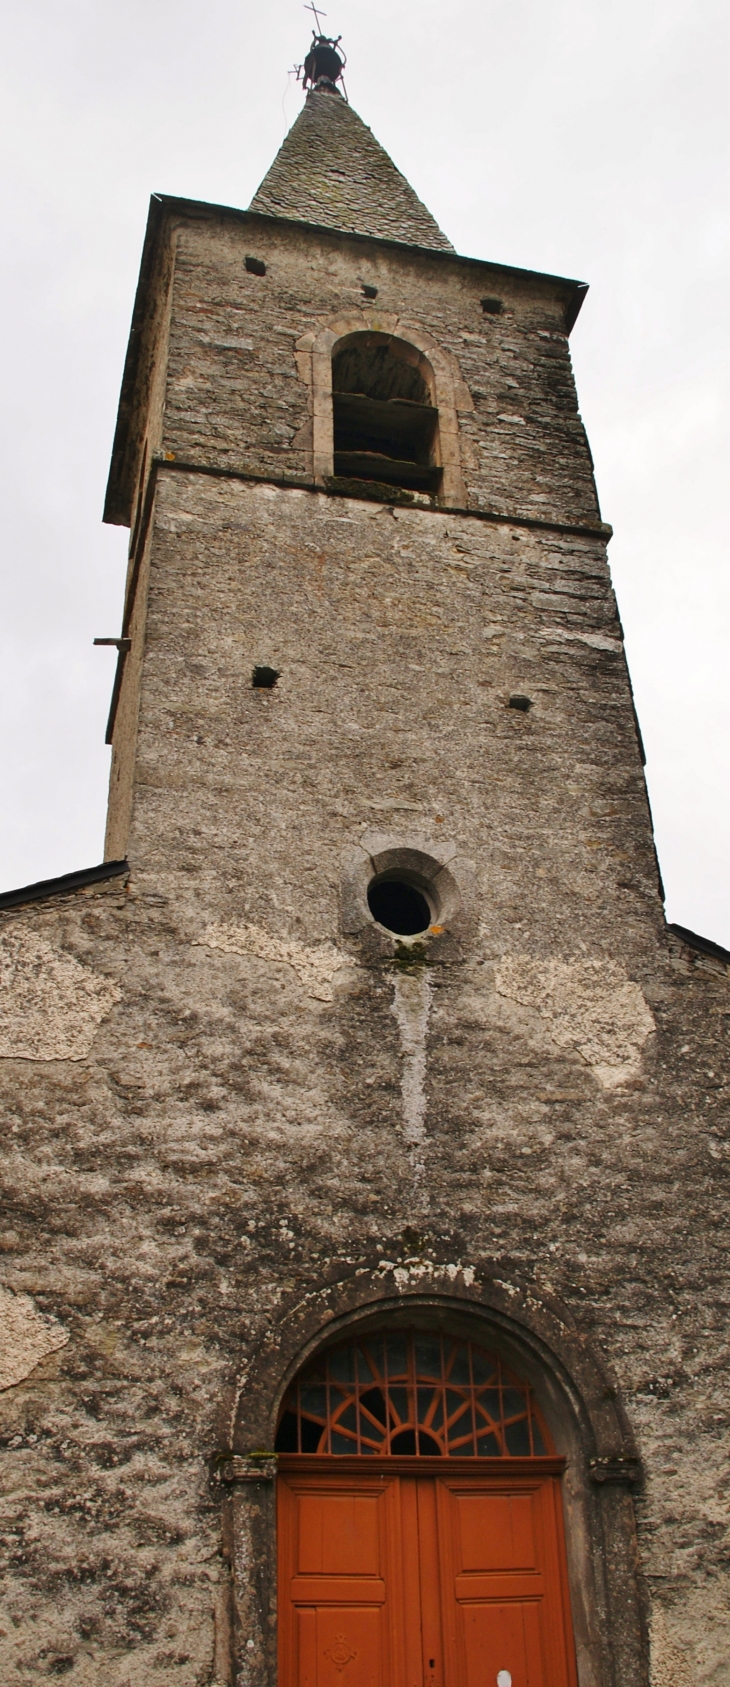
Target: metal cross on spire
317, 15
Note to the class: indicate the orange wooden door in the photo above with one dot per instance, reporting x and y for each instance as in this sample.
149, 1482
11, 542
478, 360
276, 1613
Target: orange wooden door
503, 1583
393, 1578
341, 1592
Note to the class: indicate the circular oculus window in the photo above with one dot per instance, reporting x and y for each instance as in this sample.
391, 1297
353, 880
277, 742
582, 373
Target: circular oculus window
399, 904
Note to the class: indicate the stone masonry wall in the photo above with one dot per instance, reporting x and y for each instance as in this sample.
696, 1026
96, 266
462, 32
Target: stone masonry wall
213, 1086
236, 399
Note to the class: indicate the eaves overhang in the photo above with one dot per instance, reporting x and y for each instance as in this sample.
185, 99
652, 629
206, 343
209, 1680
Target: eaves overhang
165, 208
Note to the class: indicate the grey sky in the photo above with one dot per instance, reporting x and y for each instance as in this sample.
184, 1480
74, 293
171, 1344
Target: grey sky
589, 139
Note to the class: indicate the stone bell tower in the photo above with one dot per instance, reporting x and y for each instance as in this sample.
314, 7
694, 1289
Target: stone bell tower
366, 1062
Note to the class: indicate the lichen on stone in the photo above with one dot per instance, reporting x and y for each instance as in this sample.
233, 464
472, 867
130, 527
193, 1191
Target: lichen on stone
51, 1005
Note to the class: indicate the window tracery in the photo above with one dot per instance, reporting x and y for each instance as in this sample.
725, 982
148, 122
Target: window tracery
418, 1392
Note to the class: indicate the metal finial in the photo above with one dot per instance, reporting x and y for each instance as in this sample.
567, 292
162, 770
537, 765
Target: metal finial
325, 61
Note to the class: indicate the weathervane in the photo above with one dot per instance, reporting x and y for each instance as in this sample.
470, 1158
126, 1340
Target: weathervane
325, 60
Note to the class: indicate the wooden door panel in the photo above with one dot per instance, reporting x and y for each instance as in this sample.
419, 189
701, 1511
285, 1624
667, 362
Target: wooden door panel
337, 1590
497, 1586
503, 1637
495, 1531
338, 1534
340, 1648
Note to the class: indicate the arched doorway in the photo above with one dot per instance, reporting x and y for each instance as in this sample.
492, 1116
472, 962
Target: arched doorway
420, 1521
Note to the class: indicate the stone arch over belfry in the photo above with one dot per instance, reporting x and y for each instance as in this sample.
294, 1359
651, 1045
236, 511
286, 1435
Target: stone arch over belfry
537, 1339
450, 394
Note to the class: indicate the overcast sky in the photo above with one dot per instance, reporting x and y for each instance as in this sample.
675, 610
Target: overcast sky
586, 139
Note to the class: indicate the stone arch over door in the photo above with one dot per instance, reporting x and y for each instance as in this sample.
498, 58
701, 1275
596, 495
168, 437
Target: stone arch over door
450, 392
576, 1396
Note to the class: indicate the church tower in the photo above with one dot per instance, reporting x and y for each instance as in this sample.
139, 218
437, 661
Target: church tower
366, 1275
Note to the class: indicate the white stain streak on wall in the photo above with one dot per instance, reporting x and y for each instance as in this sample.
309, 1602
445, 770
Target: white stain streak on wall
411, 1006
315, 967
26, 1337
590, 1006
50, 1004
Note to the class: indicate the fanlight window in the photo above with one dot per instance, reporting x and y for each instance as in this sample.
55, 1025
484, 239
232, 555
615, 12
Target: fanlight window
413, 1392
385, 421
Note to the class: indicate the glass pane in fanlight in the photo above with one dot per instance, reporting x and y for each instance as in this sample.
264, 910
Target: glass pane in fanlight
372, 1405
314, 1437
483, 1366
287, 1435
404, 1441
488, 1401
461, 1442
348, 1418
488, 1447
314, 1401
538, 1441
369, 1361
426, 1399
513, 1402
464, 1448
400, 1411
458, 1409
517, 1439
428, 1357
343, 1443
458, 1370
429, 1445
396, 1348
342, 1365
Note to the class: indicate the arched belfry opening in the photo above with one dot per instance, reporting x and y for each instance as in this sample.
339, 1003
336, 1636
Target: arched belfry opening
420, 1521
384, 416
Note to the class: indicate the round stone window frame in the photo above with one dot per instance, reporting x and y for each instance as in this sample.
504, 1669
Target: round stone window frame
433, 868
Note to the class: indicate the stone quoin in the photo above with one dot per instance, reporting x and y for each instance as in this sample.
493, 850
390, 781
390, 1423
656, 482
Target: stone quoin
366, 1061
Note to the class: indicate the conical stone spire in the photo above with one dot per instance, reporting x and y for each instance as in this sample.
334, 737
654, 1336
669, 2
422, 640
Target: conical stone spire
331, 170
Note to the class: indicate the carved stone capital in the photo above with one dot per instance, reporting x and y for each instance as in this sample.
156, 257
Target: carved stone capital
618, 1470
255, 1467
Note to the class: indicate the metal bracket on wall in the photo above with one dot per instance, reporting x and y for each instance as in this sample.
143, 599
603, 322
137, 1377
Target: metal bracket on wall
123, 646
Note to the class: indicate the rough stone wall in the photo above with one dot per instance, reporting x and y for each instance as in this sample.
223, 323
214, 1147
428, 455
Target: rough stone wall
331, 170
236, 398
233, 1089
